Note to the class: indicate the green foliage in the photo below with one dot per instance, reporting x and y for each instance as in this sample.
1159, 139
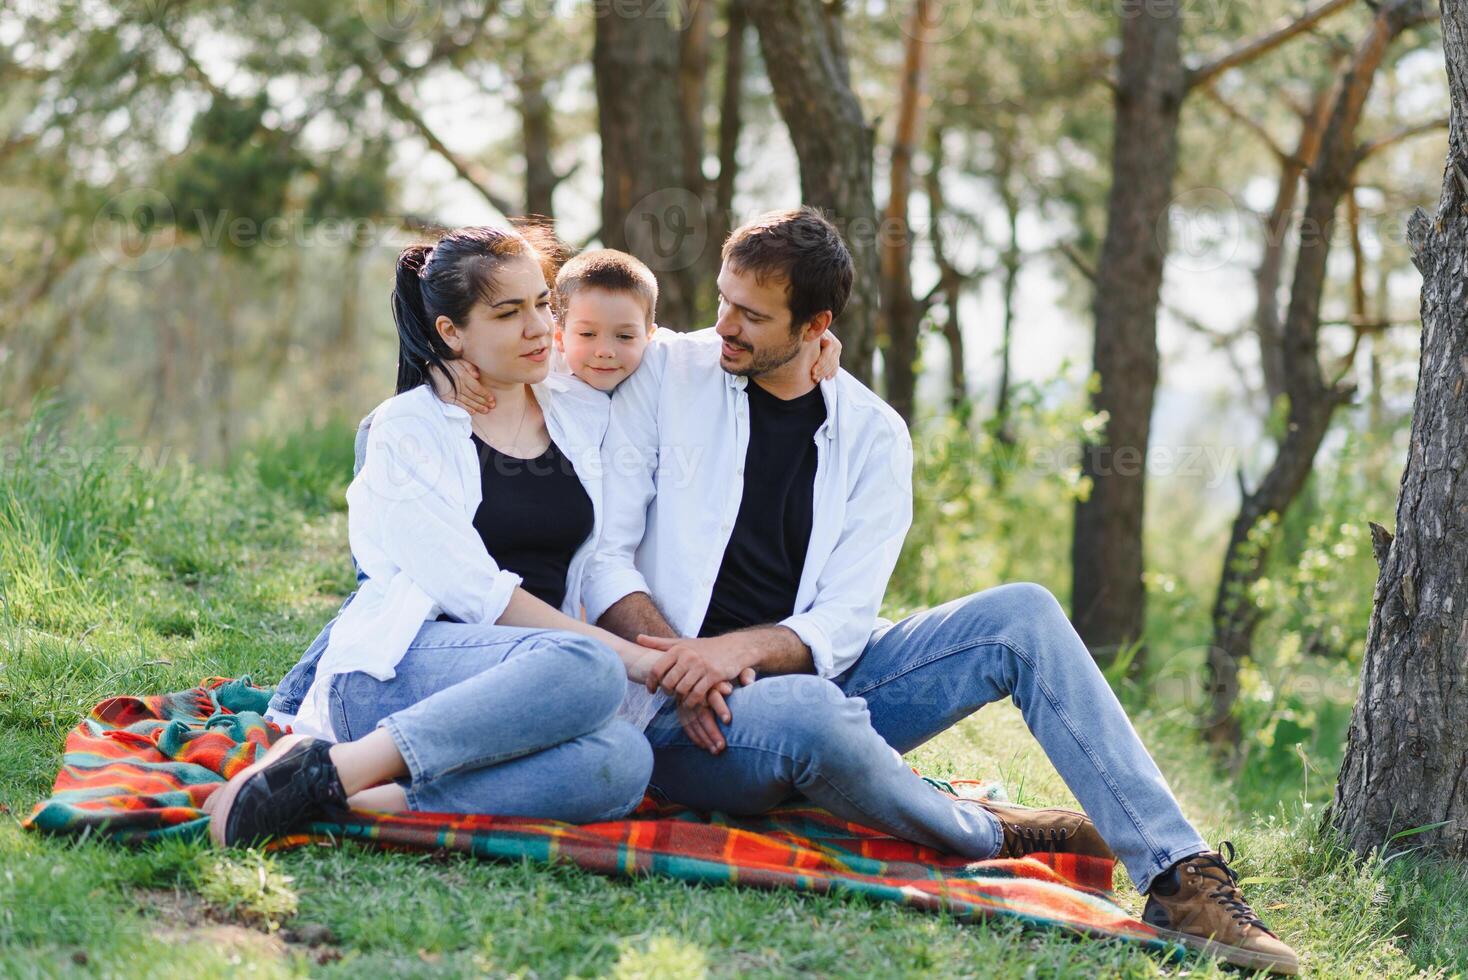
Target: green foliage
309, 467
990, 505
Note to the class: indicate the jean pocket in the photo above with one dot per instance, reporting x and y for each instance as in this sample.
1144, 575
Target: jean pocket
337, 710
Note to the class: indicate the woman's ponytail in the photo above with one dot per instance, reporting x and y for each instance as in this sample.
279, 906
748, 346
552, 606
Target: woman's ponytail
419, 345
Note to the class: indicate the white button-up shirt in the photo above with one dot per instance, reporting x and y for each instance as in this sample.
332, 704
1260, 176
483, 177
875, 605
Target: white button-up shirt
673, 464
410, 521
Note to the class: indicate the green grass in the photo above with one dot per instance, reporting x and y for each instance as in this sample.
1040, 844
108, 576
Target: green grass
123, 577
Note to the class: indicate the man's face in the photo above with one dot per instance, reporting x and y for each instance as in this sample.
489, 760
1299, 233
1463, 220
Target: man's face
754, 321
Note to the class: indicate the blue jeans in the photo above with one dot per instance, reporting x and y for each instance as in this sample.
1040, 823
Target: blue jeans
514, 722
837, 742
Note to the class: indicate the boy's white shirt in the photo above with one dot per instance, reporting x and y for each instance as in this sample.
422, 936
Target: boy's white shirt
673, 464
410, 524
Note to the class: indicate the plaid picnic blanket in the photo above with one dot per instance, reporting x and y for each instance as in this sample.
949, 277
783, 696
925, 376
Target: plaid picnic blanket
138, 769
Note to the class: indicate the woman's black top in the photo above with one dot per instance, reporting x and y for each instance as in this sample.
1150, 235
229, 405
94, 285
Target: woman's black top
534, 515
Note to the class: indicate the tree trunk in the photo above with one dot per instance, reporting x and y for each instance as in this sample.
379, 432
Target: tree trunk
1268, 318
950, 281
1011, 263
1313, 398
806, 58
721, 214
536, 117
647, 208
1107, 596
901, 312
1406, 762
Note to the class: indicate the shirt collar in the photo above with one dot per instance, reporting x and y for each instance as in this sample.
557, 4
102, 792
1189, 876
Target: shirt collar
829, 392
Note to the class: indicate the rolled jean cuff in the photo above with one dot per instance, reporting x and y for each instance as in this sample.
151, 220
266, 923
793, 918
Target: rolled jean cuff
405, 749
1173, 857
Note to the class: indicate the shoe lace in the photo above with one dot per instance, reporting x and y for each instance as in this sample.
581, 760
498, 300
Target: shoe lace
1226, 892
1036, 839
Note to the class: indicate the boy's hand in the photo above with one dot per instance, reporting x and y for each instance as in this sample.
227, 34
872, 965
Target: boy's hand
466, 392
829, 362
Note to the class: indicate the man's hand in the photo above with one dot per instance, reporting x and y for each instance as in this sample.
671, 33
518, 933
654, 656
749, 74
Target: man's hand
465, 391
699, 722
690, 668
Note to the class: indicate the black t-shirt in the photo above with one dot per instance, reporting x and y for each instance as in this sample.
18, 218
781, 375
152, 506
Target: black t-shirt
534, 515
761, 570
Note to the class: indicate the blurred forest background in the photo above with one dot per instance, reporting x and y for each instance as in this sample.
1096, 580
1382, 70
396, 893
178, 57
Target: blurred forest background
1140, 283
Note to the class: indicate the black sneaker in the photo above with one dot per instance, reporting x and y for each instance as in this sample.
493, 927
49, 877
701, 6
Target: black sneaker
295, 781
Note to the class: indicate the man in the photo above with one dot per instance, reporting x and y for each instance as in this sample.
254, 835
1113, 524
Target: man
753, 519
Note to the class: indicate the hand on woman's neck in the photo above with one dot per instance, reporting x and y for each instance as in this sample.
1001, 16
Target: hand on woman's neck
516, 425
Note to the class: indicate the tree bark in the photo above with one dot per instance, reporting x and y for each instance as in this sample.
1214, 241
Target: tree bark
1312, 397
721, 215
901, 312
1108, 600
951, 282
536, 118
1107, 596
1406, 762
806, 57
647, 207
1268, 317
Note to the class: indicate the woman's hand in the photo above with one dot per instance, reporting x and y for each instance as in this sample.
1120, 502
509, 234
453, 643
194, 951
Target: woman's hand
465, 391
829, 362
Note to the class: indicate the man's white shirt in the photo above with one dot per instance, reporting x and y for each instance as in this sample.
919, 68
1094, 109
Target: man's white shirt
673, 470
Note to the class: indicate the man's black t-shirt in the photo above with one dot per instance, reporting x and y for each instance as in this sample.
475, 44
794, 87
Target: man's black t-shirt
762, 564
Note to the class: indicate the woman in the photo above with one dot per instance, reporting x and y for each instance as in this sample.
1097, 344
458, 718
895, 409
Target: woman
448, 682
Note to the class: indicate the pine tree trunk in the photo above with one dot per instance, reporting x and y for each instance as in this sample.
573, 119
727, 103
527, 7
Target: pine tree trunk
806, 60
647, 206
1107, 596
1313, 397
901, 311
1406, 763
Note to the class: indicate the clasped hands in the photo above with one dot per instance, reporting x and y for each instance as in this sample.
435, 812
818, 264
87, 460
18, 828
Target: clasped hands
699, 673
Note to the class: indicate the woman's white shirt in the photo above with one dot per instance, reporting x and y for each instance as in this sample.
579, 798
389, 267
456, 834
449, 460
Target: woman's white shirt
410, 522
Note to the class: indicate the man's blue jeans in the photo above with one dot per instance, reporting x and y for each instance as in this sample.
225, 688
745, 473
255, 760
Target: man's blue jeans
838, 742
514, 722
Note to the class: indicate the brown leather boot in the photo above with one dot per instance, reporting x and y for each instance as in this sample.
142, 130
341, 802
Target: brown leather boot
1197, 902
1028, 830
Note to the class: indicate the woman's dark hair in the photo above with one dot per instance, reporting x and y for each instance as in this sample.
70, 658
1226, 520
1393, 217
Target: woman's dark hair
446, 278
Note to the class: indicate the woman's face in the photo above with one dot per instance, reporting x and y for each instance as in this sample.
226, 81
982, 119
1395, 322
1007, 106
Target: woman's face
508, 336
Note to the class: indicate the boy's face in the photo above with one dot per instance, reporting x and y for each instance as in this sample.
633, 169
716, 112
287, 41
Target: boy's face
603, 336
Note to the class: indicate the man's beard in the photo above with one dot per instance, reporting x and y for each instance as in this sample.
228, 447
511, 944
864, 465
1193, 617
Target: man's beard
765, 360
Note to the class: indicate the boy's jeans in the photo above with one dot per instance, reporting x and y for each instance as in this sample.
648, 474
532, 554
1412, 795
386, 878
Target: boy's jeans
838, 742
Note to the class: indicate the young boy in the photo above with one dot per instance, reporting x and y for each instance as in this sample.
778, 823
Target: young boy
606, 306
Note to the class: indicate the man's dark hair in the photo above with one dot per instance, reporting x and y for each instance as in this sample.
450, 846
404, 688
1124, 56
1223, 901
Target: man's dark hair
609, 269
800, 246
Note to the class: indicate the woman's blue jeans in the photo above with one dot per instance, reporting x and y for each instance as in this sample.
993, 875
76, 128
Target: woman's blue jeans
513, 722
838, 742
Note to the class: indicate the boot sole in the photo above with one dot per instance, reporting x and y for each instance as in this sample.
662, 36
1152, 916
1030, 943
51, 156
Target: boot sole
1237, 955
219, 815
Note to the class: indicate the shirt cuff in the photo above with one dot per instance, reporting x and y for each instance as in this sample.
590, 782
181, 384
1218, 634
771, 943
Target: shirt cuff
813, 636
500, 593
605, 591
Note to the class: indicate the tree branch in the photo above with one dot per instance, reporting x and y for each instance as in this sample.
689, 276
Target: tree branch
1238, 115
1372, 147
1264, 43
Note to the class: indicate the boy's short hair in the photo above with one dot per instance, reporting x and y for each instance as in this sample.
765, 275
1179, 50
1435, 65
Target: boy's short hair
800, 246
609, 269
